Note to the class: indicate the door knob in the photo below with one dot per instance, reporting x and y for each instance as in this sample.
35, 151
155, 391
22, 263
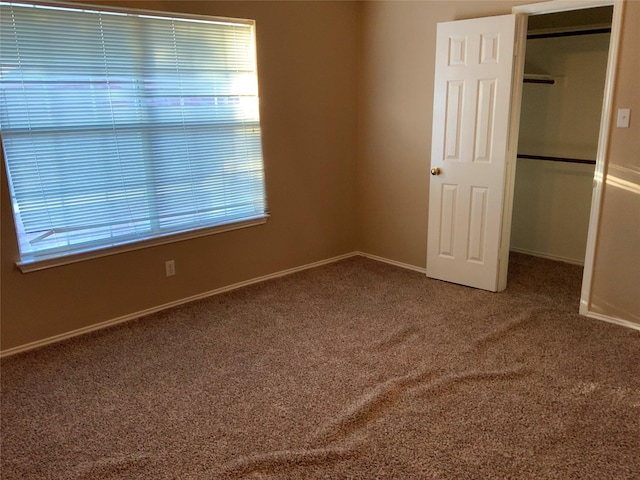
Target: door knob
435, 171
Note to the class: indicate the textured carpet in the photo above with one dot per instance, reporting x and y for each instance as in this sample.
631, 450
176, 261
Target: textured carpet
355, 370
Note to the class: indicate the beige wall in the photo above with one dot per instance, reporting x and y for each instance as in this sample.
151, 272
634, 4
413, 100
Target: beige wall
564, 119
394, 130
307, 54
551, 209
552, 200
394, 122
311, 91
616, 280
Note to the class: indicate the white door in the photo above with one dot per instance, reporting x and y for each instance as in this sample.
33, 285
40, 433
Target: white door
472, 96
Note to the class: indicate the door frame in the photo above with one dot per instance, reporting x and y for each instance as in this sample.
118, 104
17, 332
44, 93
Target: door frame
523, 12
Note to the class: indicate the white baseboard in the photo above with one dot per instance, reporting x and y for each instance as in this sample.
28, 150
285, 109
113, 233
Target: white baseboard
393, 262
557, 258
596, 316
282, 273
148, 311
614, 320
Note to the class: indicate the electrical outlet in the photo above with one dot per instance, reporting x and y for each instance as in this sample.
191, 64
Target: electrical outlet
170, 268
623, 118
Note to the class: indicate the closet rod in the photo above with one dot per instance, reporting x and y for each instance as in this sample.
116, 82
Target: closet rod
557, 159
569, 33
545, 81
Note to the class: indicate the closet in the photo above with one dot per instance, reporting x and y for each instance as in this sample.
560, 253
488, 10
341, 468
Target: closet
565, 69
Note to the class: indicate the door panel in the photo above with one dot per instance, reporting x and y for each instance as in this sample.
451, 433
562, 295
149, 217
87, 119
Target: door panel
474, 63
453, 118
448, 224
484, 120
477, 224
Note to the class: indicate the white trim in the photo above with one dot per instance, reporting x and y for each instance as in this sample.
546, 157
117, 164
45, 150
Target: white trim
132, 316
556, 258
393, 262
175, 303
601, 157
614, 320
520, 39
555, 6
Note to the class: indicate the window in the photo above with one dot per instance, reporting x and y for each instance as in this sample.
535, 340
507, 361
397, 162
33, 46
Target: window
119, 127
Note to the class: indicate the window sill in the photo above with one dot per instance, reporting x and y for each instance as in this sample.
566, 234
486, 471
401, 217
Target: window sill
42, 264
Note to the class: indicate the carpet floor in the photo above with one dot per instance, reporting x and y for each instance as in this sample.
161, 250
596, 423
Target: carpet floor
354, 370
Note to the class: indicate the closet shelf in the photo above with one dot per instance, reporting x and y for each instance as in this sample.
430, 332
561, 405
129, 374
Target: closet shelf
586, 30
557, 159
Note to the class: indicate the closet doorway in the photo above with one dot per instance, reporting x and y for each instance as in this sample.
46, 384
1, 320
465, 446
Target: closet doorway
560, 121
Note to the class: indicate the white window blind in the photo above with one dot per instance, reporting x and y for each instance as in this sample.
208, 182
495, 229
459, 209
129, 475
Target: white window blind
120, 127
